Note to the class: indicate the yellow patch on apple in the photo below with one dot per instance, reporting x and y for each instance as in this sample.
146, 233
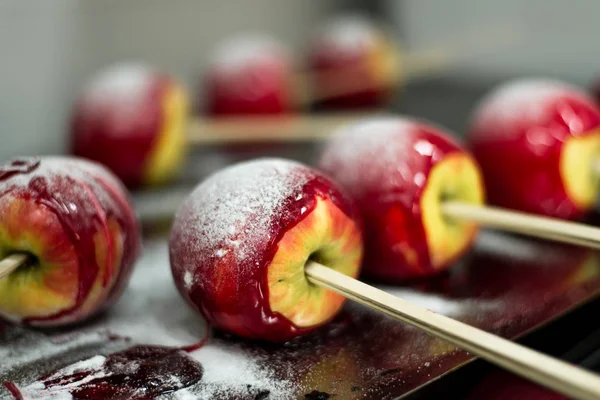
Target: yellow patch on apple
384, 62
579, 169
326, 236
455, 178
50, 284
169, 148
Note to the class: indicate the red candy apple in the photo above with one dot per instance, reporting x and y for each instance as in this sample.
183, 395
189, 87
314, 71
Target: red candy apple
74, 220
399, 171
355, 58
538, 144
240, 242
249, 75
132, 119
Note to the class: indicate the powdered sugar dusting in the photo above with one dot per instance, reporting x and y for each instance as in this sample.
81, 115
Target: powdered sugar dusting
442, 305
216, 218
230, 371
349, 32
38, 390
234, 54
119, 82
374, 150
119, 93
524, 100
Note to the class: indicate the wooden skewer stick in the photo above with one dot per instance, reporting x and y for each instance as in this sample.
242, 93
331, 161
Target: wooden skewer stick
531, 225
281, 129
596, 167
547, 371
11, 263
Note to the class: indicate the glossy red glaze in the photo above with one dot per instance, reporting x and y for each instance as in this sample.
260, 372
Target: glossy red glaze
83, 196
231, 291
259, 87
384, 165
325, 61
517, 134
141, 372
119, 129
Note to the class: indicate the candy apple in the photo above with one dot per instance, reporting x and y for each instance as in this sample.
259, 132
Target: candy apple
538, 144
133, 119
399, 171
240, 242
249, 75
74, 221
355, 58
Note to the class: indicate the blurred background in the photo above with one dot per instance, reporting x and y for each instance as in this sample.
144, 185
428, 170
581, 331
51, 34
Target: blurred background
49, 49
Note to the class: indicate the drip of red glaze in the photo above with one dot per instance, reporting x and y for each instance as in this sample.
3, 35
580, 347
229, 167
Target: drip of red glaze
84, 243
19, 166
140, 372
203, 342
14, 390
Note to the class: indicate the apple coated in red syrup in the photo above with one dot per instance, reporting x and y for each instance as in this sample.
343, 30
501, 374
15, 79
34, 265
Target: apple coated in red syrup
351, 51
132, 119
399, 171
249, 75
240, 242
538, 144
75, 222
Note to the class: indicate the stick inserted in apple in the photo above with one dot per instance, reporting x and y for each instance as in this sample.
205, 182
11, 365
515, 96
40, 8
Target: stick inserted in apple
240, 242
70, 226
421, 195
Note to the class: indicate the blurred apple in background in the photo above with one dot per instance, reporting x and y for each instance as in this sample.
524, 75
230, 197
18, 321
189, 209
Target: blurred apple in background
354, 56
133, 119
250, 74
538, 144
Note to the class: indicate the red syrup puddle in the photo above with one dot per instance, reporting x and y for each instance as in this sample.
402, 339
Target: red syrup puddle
140, 372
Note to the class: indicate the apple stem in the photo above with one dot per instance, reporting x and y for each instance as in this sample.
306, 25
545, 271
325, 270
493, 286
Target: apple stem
10, 263
526, 224
545, 370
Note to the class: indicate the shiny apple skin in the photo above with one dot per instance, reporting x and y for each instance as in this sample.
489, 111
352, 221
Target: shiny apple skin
248, 75
83, 196
388, 188
122, 145
520, 155
267, 96
240, 302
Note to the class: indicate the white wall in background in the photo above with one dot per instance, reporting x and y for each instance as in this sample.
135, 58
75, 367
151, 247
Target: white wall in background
48, 48
551, 37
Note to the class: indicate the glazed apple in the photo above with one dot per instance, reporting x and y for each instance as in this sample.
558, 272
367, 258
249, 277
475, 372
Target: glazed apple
399, 171
74, 220
249, 75
132, 119
352, 56
538, 144
240, 242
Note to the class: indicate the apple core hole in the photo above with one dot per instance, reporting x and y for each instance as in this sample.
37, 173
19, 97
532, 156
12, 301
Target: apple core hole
316, 257
31, 262
445, 196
